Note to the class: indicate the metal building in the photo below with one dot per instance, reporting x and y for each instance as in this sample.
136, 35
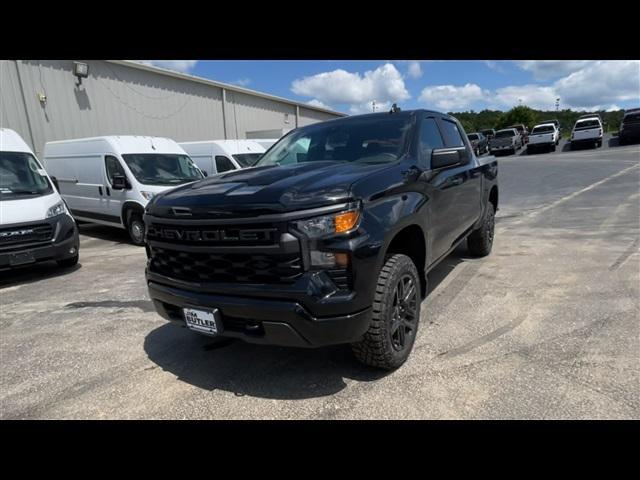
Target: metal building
43, 100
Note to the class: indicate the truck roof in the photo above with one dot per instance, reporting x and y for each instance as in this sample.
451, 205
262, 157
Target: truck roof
121, 144
10, 141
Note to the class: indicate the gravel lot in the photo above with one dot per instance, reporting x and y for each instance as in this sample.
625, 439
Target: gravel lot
547, 326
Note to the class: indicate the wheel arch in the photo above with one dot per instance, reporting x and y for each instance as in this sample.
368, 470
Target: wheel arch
411, 241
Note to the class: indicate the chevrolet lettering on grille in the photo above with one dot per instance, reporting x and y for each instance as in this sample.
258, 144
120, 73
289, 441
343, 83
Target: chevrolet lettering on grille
201, 235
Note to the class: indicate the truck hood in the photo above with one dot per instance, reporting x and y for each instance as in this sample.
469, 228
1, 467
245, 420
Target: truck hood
265, 190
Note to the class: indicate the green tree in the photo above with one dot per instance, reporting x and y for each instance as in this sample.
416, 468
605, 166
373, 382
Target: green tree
519, 114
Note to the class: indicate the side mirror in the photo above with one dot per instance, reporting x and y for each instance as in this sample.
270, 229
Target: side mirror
54, 180
204, 172
444, 157
118, 182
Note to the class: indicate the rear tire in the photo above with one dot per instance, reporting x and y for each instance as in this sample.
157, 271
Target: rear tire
480, 241
395, 318
68, 262
135, 227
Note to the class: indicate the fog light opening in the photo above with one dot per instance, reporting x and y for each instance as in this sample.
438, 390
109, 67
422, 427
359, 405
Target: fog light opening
72, 250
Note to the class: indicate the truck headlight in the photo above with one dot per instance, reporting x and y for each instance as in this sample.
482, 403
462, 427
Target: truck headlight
58, 209
147, 195
326, 225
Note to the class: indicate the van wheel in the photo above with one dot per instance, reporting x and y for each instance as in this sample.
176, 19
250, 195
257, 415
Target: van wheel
68, 262
480, 241
396, 314
135, 226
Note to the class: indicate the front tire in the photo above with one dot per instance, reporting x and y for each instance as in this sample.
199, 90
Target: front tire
480, 241
396, 314
135, 227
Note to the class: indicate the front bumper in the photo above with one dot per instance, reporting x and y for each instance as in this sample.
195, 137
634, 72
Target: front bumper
64, 243
262, 320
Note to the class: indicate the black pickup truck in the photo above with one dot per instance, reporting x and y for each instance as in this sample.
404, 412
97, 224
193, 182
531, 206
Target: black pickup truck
328, 238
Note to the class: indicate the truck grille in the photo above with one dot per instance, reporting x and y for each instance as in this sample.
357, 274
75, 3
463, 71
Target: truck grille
226, 268
15, 236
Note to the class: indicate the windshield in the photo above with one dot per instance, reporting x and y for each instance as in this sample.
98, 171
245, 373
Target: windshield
21, 175
631, 118
472, 136
247, 159
543, 129
582, 124
373, 139
505, 133
162, 168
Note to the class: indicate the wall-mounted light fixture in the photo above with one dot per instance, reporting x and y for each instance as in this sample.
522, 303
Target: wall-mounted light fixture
80, 70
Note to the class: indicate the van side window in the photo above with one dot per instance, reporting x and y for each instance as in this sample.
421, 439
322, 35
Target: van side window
430, 138
113, 167
223, 164
451, 134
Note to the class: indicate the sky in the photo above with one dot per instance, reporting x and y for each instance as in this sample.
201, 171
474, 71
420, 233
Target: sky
352, 86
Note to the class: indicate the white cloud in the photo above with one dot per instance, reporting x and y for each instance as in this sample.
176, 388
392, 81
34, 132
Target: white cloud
242, 82
452, 97
384, 84
596, 85
547, 69
184, 66
414, 71
317, 103
367, 107
534, 96
601, 84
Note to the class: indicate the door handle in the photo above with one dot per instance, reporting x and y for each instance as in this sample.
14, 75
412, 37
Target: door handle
100, 190
456, 181
108, 191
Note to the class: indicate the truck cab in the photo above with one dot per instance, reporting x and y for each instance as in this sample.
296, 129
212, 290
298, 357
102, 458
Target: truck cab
35, 223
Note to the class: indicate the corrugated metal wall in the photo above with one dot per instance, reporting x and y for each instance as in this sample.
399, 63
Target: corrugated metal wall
118, 99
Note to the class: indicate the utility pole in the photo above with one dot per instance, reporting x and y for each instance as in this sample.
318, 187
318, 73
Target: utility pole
557, 104
373, 106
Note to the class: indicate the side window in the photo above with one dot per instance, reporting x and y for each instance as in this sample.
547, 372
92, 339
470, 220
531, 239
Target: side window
430, 138
452, 135
223, 164
113, 167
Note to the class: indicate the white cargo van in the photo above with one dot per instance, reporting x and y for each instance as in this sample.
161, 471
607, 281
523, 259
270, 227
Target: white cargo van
109, 180
265, 142
35, 224
218, 156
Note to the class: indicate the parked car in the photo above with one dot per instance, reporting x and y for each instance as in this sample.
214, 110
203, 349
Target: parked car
329, 239
629, 127
543, 136
109, 180
218, 156
479, 143
522, 130
556, 122
587, 131
489, 133
506, 140
35, 224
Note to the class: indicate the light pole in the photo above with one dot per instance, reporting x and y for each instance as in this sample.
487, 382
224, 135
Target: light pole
373, 105
557, 104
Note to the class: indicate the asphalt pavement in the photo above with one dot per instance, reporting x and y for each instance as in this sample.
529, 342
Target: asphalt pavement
547, 326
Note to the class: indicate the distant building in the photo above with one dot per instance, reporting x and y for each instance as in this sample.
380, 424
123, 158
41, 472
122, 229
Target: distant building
43, 100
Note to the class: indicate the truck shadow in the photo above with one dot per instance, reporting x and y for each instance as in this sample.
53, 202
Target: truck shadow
265, 371
103, 232
34, 273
